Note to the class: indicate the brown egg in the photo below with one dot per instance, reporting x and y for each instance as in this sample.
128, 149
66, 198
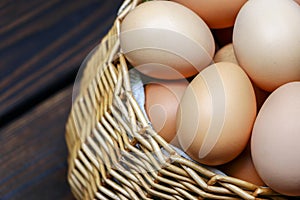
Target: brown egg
162, 99
269, 59
275, 140
165, 40
225, 54
216, 114
242, 168
216, 13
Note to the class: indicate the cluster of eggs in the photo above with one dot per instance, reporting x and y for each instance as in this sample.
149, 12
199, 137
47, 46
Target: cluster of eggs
237, 106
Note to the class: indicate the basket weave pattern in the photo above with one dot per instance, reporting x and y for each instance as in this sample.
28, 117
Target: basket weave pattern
115, 154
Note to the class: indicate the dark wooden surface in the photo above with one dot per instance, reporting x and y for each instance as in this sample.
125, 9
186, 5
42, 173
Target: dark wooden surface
42, 44
33, 152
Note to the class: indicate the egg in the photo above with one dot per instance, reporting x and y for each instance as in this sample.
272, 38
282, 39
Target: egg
225, 54
275, 140
242, 168
166, 40
266, 42
216, 13
216, 114
161, 103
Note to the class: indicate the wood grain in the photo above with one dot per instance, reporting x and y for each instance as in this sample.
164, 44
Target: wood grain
33, 153
42, 44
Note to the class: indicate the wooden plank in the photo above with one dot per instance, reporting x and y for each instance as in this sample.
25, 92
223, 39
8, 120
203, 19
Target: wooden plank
42, 44
33, 152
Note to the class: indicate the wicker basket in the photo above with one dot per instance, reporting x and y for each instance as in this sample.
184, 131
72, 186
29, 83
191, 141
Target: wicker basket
115, 154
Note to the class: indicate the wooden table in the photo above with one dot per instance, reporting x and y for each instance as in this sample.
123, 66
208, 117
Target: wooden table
42, 44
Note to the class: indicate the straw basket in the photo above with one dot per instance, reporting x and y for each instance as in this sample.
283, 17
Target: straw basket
115, 154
